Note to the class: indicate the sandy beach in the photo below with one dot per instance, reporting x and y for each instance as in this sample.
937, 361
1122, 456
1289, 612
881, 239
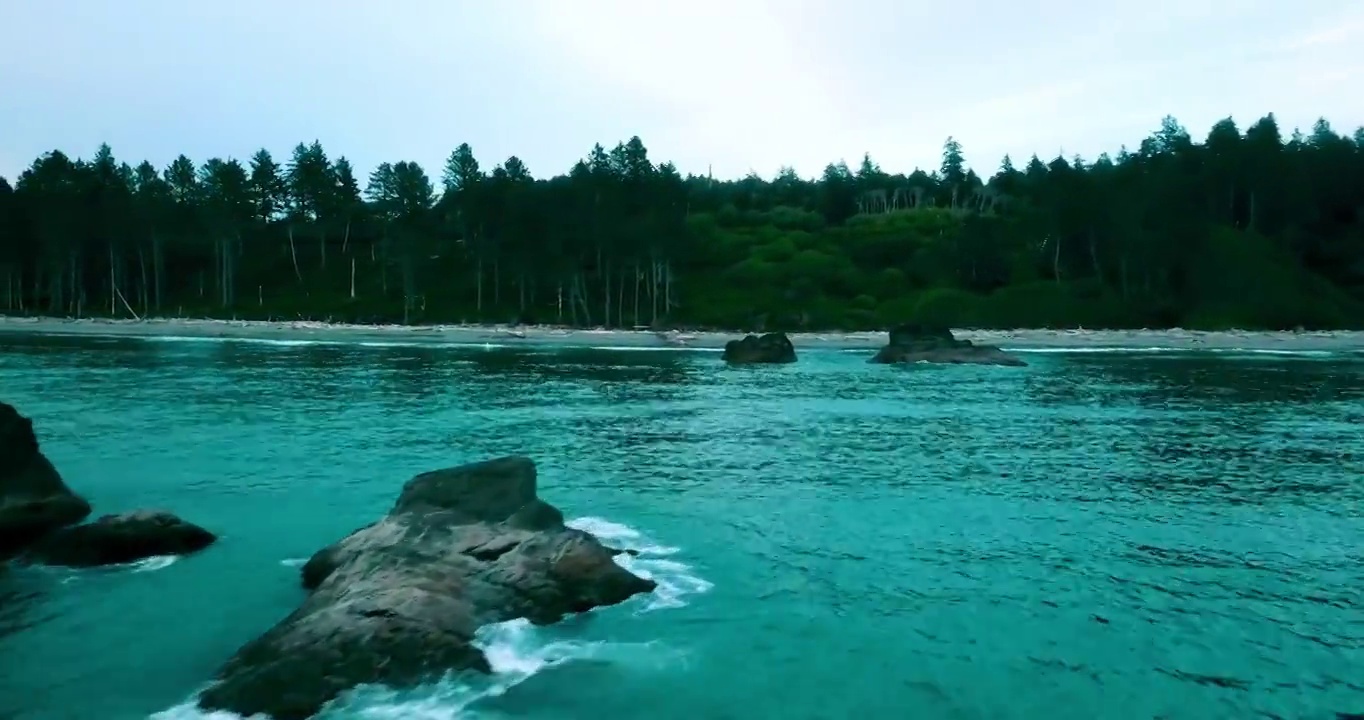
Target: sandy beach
540, 335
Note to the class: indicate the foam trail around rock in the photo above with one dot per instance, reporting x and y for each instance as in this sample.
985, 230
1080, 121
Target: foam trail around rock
516, 649
676, 580
153, 563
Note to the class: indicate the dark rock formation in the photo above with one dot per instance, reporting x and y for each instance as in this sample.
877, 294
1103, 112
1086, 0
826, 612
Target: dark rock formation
115, 539
925, 343
398, 602
33, 499
770, 348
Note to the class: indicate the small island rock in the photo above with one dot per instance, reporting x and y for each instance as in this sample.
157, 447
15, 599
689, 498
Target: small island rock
33, 498
398, 602
118, 539
932, 344
770, 348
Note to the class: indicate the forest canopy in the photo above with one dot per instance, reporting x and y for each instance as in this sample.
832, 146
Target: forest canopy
1244, 229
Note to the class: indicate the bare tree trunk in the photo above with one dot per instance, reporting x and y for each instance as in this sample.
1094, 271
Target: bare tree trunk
131, 311
606, 294
580, 287
638, 276
352, 278
293, 253
142, 265
668, 302
156, 269
1056, 261
651, 285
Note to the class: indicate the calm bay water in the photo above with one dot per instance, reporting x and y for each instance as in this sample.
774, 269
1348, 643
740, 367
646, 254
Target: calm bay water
1096, 536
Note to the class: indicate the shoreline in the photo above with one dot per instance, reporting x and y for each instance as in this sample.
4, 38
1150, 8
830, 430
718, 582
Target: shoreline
1020, 339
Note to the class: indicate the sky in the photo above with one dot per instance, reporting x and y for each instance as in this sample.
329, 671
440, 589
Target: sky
729, 87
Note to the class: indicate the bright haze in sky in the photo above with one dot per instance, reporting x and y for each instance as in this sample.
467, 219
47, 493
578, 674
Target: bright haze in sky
732, 85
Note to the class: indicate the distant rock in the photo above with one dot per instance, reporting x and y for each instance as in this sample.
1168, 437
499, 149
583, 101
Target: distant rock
933, 344
770, 348
398, 602
33, 498
118, 539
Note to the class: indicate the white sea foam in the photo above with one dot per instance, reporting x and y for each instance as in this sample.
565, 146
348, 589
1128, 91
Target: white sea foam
154, 563
516, 649
676, 580
145, 565
1164, 350
638, 348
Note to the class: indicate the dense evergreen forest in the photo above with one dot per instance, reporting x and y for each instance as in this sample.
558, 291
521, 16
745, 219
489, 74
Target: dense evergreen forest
1245, 229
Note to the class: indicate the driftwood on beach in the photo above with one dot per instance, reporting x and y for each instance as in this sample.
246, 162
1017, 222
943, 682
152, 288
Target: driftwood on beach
701, 339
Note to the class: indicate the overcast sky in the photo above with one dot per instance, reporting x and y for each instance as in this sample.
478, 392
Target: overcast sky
736, 85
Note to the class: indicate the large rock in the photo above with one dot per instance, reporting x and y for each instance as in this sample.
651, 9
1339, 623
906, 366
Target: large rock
33, 498
116, 539
932, 344
398, 602
770, 348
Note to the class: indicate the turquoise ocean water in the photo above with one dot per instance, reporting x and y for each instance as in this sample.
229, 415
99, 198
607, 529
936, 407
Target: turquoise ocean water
1101, 535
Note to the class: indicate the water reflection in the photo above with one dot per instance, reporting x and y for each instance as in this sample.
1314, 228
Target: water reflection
1225, 428
584, 364
1035, 518
1182, 379
75, 352
19, 596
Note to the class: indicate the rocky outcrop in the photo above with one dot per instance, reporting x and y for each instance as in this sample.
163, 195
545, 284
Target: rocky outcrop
33, 498
770, 348
38, 513
116, 539
925, 343
398, 602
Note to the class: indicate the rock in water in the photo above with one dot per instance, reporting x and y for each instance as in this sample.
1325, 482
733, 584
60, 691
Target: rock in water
770, 348
33, 498
398, 602
932, 344
116, 539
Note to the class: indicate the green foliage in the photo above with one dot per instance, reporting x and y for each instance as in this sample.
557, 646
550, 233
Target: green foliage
1244, 230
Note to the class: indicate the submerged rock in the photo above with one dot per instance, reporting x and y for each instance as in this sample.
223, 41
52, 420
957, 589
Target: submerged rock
932, 344
33, 498
770, 348
117, 539
398, 602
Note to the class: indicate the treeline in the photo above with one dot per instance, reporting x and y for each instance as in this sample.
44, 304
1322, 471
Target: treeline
1245, 229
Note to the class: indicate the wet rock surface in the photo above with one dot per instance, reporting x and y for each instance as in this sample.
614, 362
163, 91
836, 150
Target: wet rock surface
117, 539
34, 500
932, 344
398, 602
771, 348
